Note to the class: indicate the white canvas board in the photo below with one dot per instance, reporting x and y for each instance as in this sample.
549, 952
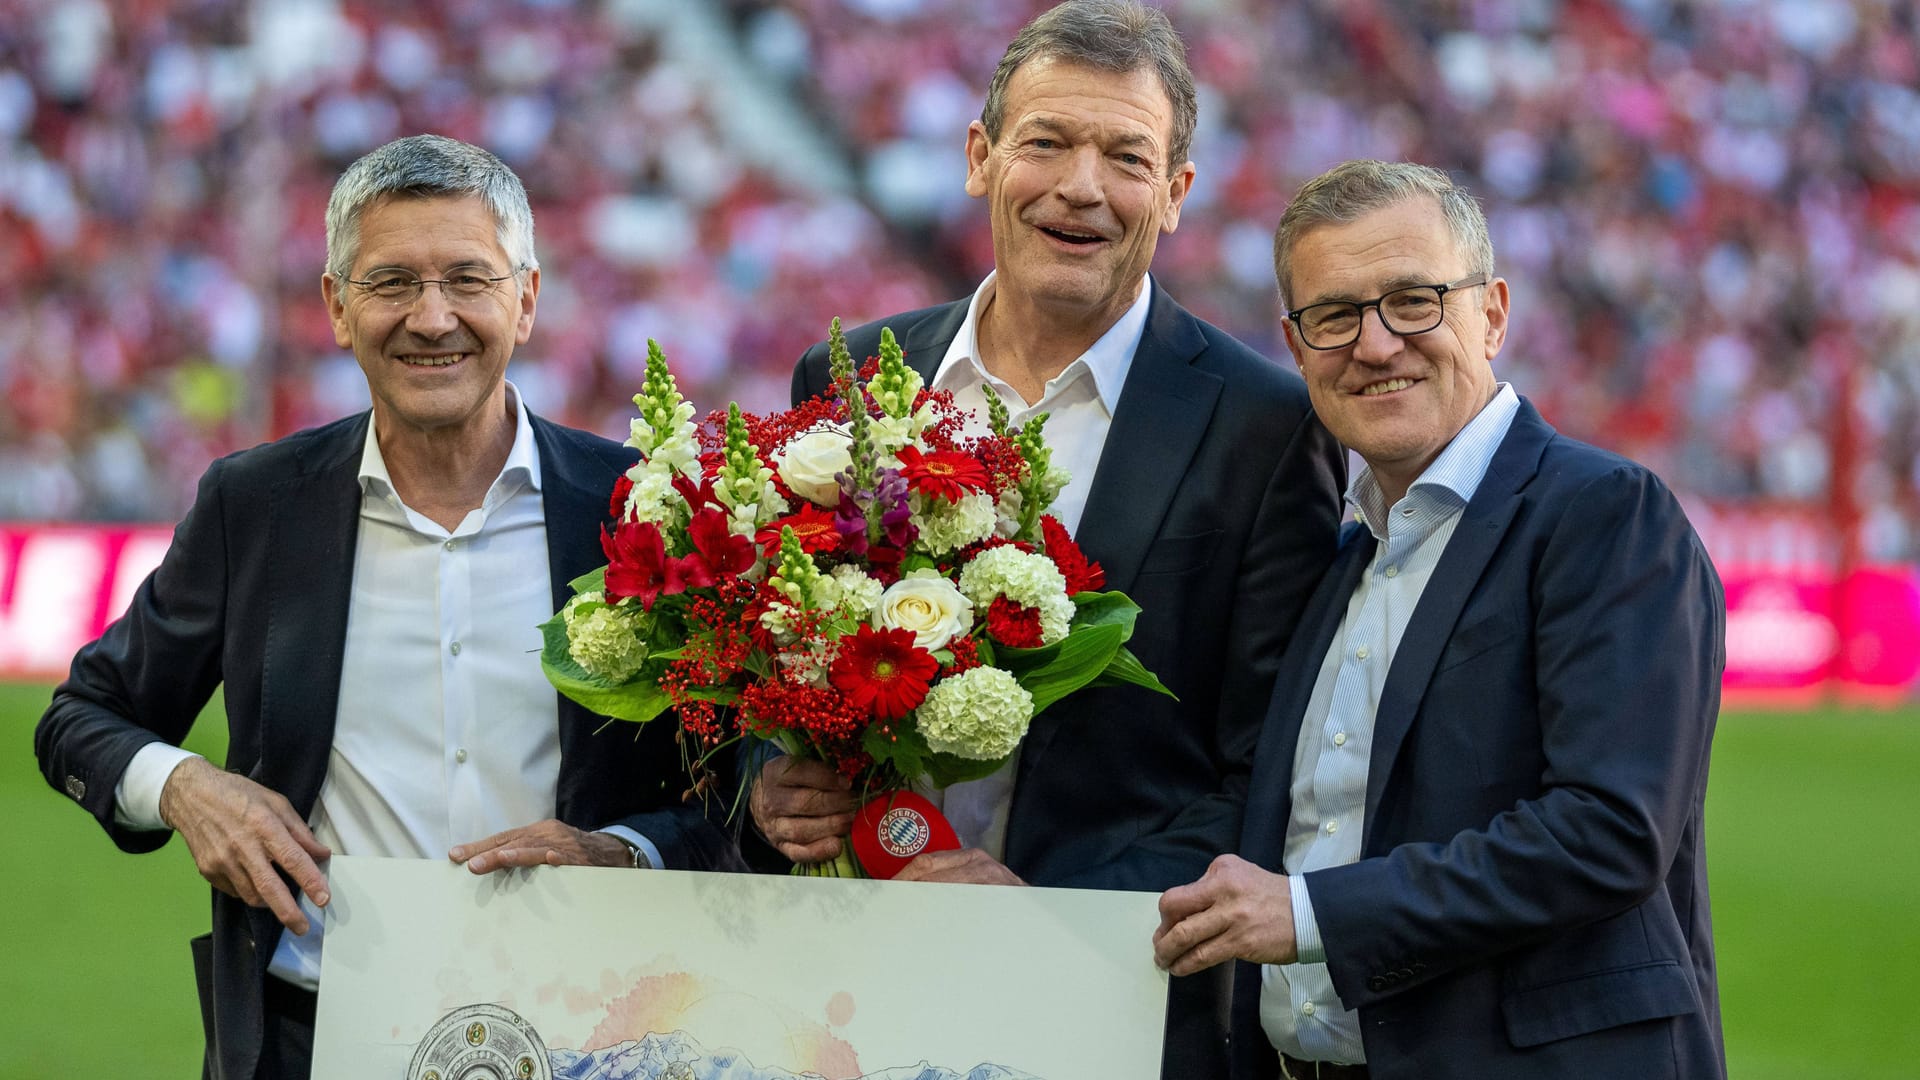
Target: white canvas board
664, 975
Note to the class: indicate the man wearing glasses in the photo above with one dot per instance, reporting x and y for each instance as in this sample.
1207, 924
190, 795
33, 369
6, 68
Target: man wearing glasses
369, 593
1473, 845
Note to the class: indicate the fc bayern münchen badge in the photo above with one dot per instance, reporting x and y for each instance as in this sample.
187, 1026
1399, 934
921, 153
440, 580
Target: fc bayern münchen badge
890, 830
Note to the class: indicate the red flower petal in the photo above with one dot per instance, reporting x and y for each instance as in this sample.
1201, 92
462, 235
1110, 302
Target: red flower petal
883, 671
1013, 624
1082, 574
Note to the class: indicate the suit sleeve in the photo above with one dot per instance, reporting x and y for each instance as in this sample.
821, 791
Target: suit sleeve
1628, 638
148, 676
1292, 540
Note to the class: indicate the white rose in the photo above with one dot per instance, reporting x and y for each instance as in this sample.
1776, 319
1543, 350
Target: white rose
927, 604
810, 462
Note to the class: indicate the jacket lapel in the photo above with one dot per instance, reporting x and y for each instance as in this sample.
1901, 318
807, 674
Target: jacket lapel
1264, 833
1157, 426
925, 343
1483, 524
313, 525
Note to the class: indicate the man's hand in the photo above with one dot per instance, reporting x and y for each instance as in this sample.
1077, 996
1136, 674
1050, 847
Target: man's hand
803, 807
543, 843
238, 831
1235, 911
969, 866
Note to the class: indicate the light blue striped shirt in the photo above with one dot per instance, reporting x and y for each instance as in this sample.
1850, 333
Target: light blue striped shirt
1299, 1010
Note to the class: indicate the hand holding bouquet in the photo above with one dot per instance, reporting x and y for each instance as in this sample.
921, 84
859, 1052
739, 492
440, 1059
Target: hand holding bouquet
859, 579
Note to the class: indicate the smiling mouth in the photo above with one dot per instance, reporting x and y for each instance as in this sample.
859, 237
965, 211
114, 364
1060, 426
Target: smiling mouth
1071, 236
432, 361
1385, 387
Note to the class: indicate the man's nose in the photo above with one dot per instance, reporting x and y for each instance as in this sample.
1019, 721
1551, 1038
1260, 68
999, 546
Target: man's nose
1376, 342
1080, 185
431, 314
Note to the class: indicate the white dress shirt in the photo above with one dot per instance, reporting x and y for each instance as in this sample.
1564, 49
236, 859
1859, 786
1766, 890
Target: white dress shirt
1079, 402
1299, 1010
446, 730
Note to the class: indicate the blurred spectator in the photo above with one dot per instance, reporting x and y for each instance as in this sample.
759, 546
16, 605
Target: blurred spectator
1713, 205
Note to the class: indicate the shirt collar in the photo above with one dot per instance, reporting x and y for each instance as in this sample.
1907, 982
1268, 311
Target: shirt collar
1108, 360
523, 460
1455, 475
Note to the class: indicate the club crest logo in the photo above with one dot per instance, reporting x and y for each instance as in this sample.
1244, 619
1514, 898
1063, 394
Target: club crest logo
904, 832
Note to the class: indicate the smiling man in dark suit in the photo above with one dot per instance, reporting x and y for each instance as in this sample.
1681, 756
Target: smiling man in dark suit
369, 592
1474, 844
1200, 481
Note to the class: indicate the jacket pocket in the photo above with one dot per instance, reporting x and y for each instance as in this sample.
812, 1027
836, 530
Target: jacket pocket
1177, 554
1596, 1001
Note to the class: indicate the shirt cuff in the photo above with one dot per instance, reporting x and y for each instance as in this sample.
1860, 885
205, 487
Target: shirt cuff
1306, 929
645, 845
136, 798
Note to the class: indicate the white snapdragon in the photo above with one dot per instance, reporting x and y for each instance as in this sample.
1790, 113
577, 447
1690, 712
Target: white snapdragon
652, 498
1027, 579
676, 449
980, 714
947, 527
925, 603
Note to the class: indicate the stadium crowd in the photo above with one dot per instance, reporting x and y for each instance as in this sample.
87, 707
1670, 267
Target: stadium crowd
1712, 209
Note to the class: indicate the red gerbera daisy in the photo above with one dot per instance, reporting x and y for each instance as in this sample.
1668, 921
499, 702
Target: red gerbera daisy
1013, 624
944, 473
812, 526
883, 670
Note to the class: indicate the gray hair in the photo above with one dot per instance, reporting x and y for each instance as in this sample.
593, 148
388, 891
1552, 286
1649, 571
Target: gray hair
1110, 35
1353, 189
427, 167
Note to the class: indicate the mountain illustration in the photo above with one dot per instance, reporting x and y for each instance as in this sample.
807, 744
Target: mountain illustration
680, 1056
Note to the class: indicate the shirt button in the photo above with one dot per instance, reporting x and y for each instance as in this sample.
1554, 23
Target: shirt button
460, 755
1361, 653
1392, 571
1406, 511
1339, 738
449, 545
1332, 827
1306, 1008
454, 648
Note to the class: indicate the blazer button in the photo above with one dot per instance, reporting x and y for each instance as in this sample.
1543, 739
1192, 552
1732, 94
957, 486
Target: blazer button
1377, 983
76, 787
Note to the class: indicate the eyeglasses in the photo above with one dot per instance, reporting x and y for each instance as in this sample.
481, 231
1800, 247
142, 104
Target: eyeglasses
403, 289
1415, 309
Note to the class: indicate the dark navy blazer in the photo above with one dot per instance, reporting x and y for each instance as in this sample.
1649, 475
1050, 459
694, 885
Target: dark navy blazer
1531, 898
1215, 506
253, 593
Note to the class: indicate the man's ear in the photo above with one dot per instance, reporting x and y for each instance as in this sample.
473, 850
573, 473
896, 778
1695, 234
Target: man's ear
336, 299
1177, 188
1496, 316
529, 298
979, 149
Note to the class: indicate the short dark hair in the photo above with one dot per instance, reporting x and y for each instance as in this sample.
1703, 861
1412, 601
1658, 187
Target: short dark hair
1111, 35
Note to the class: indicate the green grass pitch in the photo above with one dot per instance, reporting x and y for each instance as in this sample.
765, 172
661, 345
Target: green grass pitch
1811, 844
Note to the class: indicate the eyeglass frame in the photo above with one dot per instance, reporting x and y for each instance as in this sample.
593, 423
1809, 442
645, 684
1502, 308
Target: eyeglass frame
420, 284
1440, 316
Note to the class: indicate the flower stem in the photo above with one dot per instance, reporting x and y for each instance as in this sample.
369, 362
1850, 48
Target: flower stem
843, 865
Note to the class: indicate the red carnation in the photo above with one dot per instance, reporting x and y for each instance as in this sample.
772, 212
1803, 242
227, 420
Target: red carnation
1082, 574
944, 473
617, 505
1013, 624
884, 671
812, 526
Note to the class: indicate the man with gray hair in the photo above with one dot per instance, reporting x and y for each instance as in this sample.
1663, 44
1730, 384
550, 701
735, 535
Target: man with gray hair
369, 593
1473, 847
1200, 481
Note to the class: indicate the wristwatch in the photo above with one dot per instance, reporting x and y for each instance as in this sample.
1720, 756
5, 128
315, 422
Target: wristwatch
640, 860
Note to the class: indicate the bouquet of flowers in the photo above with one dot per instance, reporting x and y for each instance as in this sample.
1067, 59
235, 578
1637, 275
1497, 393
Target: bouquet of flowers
856, 579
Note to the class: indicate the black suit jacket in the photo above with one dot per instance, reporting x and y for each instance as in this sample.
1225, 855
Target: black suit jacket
1531, 898
1215, 506
253, 593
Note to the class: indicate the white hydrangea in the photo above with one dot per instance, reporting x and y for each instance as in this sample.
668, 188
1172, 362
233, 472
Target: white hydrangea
1028, 579
947, 527
859, 591
604, 641
980, 714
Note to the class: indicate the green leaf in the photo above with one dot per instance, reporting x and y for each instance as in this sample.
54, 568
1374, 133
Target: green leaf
905, 748
1125, 669
637, 700
1077, 660
948, 769
586, 583
1105, 609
